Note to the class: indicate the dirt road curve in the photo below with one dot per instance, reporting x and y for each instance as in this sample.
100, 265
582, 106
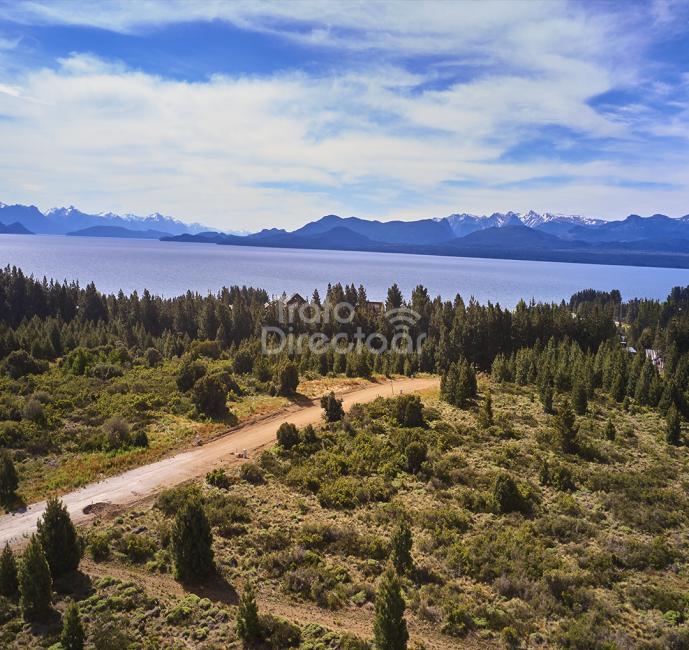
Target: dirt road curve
143, 481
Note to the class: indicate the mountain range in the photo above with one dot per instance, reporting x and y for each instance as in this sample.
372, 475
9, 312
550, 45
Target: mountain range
62, 221
657, 240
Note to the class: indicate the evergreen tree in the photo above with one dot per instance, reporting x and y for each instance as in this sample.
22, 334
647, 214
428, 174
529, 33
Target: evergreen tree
8, 478
579, 397
673, 427
390, 627
401, 544
288, 378
409, 411
9, 583
192, 542
610, 432
506, 495
35, 583
485, 415
332, 408
59, 539
546, 395
72, 637
248, 622
565, 428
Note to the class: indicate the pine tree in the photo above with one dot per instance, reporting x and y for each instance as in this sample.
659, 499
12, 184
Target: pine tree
579, 397
35, 583
332, 407
565, 428
192, 542
673, 425
401, 544
390, 627
59, 539
9, 583
546, 395
72, 637
610, 432
248, 623
485, 416
8, 478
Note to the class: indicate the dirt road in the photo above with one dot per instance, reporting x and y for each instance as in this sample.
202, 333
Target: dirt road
141, 482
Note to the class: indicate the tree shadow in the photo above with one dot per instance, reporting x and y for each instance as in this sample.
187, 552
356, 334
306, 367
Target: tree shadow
76, 584
49, 623
300, 400
215, 588
14, 504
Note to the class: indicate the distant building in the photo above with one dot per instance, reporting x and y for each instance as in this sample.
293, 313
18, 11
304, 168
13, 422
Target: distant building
295, 300
375, 305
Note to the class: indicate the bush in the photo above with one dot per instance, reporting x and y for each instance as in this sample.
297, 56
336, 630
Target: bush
116, 434
288, 378
506, 495
99, 547
33, 411
189, 373
416, 453
210, 396
409, 411
105, 371
251, 473
287, 435
20, 363
172, 500
137, 548
218, 478
153, 357
332, 408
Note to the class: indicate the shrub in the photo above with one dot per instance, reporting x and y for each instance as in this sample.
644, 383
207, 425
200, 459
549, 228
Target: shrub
416, 453
248, 625
506, 495
332, 408
172, 500
287, 435
218, 478
189, 373
105, 371
99, 547
138, 548
210, 396
288, 378
409, 411
153, 357
116, 433
251, 473
20, 363
33, 411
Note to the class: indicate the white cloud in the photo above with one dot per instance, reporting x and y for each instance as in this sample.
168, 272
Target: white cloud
249, 152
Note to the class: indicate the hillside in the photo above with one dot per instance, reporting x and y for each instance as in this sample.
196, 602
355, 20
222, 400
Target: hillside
117, 231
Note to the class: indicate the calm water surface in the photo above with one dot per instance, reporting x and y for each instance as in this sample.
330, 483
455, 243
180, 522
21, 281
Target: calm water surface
171, 268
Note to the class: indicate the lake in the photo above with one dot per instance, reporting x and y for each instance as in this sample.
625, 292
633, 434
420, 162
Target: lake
171, 268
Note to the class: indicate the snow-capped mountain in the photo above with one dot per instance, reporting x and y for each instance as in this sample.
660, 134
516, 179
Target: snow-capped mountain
70, 219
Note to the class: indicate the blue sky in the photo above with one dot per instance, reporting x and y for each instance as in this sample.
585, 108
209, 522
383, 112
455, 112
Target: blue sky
244, 115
